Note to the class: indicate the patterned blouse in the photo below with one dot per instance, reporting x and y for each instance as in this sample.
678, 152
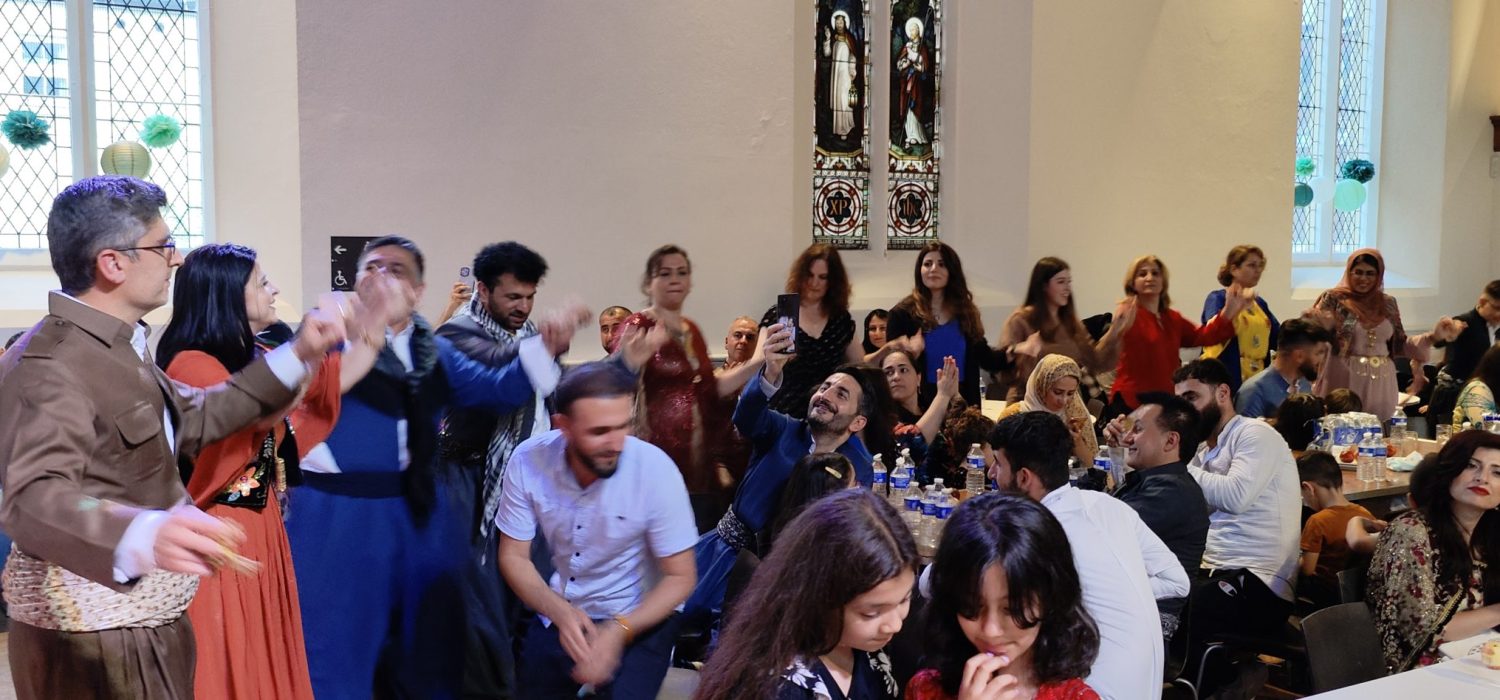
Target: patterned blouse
1474, 401
816, 359
928, 685
1407, 597
809, 679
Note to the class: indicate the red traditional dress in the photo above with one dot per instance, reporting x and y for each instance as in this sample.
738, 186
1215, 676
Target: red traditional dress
927, 685
249, 626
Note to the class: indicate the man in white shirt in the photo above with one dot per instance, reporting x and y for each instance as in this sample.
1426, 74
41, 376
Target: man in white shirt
1123, 566
614, 511
1250, 481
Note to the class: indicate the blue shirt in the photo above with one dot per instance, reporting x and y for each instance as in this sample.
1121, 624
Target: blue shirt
946, 340
777, 442
1263, 393
606, 538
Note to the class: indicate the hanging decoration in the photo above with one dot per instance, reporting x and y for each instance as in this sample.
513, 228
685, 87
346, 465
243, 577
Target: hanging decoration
1302, 194
1358, 169
841, 124
916, 38
1306, 166
160, 131
126, 158
1349, 195
25, 129
4, 161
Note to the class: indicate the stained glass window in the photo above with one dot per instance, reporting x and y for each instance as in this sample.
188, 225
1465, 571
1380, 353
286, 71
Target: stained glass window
1336, 99
145, 60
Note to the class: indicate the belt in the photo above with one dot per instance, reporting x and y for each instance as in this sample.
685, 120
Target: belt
735, 532
47, 596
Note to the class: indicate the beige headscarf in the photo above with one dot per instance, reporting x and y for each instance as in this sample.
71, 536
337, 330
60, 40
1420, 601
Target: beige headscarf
1048, 371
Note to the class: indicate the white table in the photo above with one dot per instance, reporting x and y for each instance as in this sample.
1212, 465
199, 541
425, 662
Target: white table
1451, 680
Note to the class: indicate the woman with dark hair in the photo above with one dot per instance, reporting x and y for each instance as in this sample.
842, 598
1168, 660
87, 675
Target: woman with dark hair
916, 427
1297, 421
820, 609
939, 319
1007, 608
1367, 324
1434, 576
1149, 349
1255, 328
1478, 395
248, 623
875, 325
678, 407
1049, 310
825, 330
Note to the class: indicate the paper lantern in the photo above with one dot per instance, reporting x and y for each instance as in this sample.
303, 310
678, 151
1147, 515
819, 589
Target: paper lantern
126, 158
1349, 195
1322, 188
4, 161
1302, 194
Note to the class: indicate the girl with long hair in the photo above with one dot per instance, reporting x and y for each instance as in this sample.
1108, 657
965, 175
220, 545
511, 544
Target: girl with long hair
939, 319
1255, 327
1049, 311
1149, 349
1367, 326
1007, 616
248, 624
820, 609
1433, 577
678, 407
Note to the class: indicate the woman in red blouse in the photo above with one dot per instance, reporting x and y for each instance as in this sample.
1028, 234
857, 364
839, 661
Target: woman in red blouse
678, 407
1006, 621
1149, 349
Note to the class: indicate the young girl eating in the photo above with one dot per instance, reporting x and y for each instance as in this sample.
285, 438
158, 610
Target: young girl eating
1006, 621
820, 609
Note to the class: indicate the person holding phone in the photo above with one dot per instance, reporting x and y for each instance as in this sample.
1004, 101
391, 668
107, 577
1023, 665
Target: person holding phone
939, 319
816, 306
678, 407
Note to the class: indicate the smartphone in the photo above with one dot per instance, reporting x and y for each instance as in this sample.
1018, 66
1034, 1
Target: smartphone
788, 311
464, 273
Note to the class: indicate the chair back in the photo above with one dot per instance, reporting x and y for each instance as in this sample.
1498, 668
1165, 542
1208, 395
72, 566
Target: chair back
1352, 584
1343, 647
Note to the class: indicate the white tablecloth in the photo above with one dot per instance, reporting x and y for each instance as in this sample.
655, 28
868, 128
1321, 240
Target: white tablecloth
1451, 680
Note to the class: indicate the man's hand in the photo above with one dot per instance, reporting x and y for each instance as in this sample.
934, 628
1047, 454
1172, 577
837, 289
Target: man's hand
193, 542
607, 647
1448, 328
778, 339
557, 327
321, 332
575, 631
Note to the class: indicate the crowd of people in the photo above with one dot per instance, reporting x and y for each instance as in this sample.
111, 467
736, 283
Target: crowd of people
371, 505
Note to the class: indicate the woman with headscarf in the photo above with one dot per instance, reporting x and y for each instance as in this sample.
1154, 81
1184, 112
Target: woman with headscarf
1053, 387
1367, 326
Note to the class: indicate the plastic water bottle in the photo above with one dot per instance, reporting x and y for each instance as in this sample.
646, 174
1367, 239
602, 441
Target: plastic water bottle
1365, 465
1378, 456
879, 483
900, 480
1492, 422
1102, 461
912, 500
925, 533
1076, 470
974, 471
1398, 427
944, 511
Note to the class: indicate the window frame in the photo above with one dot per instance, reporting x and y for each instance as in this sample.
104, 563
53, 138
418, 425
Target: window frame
82, 123
1327, 159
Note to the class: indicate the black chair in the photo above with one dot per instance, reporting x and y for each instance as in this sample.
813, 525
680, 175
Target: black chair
1352, 584
1343, 648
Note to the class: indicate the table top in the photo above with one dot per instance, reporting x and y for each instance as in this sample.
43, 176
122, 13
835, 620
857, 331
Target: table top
1394, 484
1454, 679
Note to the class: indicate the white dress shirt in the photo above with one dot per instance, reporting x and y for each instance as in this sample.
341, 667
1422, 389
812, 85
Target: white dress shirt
1250, 482
1123, 568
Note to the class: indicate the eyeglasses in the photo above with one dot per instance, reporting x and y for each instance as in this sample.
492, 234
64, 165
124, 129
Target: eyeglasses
166, 249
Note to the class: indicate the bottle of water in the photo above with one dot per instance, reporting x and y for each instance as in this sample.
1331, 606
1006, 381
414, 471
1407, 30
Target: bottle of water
1076, 470
1102, 461
900, 480
1398, 427
926, 536
879, 483
1364, 466
1378, 456
944, 511
912, 500
974, 471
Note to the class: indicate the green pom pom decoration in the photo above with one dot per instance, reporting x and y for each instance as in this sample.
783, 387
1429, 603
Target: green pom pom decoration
1358, 169
160, 131
1306, 166
25, 129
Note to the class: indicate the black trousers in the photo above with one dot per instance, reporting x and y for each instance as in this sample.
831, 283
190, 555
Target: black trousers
1228, 601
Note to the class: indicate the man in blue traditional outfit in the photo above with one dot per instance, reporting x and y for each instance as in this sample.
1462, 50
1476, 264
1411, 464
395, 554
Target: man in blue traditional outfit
380, 550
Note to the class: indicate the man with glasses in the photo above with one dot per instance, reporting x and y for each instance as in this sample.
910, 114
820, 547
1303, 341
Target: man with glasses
108, 549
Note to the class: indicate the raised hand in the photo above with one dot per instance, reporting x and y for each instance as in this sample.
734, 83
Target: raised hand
638, 344
1448, 328
1030, 347
914, 345
1124, 318
193, 542
320, 332
777, 338
947, 380
984, 679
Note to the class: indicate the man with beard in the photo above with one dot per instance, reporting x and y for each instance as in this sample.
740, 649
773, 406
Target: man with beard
1250, 481
839, 409
1300, 351
1162, 438
614, 510
1123, 566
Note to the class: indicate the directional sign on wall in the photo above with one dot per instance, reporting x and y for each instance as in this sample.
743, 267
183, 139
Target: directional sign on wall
344, 252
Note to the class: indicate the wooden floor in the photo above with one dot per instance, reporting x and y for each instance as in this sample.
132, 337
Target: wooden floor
7, 690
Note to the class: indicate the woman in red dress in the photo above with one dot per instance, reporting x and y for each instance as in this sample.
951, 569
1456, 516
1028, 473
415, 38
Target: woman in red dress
678, 406
1006, 621
247, 623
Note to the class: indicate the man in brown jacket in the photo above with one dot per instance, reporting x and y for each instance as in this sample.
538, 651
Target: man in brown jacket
108, 550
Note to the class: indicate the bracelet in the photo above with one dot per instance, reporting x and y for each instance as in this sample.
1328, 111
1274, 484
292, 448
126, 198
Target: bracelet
629, 633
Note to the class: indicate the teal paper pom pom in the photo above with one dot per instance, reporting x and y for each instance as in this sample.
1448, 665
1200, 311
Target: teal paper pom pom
1358, 169
1306, 166
160, 131
25, 129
